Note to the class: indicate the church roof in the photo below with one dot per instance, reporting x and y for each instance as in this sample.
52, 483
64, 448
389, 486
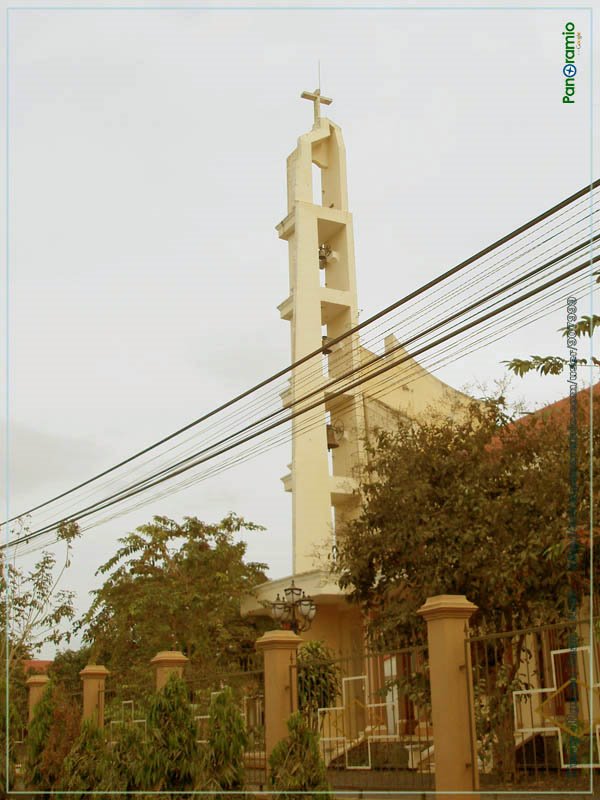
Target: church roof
560, 409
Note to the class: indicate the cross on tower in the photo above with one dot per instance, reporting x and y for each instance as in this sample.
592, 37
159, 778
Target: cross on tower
317, 99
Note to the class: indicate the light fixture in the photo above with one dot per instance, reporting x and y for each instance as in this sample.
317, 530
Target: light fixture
296, 612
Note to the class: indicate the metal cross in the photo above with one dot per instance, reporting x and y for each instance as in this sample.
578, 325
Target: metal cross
317, 99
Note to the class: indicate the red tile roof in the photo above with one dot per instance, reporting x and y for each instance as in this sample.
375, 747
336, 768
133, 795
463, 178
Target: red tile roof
559, 410
38, 665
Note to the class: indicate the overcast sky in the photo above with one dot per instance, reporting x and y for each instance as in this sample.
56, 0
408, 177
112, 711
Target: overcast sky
147, 156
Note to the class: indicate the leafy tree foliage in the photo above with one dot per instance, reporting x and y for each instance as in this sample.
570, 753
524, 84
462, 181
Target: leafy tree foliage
227, 740
554, 365
36, 739
172, 753
53, 730
469, 505
85, 765
318, 680
36, 609
174, 586
295, 765
34, 615
66, 667
125, 759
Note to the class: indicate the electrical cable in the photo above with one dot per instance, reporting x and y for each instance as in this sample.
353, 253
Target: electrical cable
526, 226
261, 447
100, 505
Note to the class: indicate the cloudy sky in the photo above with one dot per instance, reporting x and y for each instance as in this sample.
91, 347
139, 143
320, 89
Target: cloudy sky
147, 153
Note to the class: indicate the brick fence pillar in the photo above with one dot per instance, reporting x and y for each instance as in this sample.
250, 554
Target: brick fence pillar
36, 686
166, 663
94, 678
280, 649
453, 720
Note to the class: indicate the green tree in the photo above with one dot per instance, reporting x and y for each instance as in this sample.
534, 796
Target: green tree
476, 504
318, 680
85, 765
227, 740
36, 739
33, 616
469, 505
66, 667
172, 753
53, 730
174, 586
125, 763
296, 766
554, 365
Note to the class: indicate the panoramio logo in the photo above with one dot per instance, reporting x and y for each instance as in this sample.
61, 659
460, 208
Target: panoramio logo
569, 69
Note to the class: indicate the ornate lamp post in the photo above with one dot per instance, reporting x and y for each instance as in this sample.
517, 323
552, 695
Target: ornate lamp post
296, 611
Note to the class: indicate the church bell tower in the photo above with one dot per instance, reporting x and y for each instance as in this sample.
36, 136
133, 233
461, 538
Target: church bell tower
322, 305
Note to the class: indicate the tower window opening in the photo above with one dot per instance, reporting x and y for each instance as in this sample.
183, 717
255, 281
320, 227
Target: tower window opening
317, 185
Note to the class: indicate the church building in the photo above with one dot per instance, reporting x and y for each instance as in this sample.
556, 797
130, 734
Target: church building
328, 439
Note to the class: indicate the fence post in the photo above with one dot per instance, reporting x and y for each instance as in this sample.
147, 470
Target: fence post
166, 663
93, 677
36, 685
447, 617
280, 650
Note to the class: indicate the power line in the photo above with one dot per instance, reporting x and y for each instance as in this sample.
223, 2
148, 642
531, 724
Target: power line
155, 480
411, 296
316, 370
128, 488
279, 438
237, 433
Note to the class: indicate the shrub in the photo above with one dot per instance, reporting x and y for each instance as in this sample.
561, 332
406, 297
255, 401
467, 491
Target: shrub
124, 766
37, 736
53, 730
227, 740
12, 735
65, 727
172, 753
296, 764
84, 766
318, 680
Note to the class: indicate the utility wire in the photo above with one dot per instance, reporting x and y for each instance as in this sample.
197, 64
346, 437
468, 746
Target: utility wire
106, 502
461, 289
350, 373
303, 380
434, 282
376, 359
337, 380
482, 342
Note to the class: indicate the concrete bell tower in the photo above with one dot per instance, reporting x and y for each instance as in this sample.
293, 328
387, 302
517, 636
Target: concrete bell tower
326, 441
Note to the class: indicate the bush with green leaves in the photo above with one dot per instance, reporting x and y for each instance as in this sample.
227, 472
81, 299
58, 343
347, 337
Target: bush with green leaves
16, 715
318, 680
37, 735
175, 586
7, 748
173, 755
227, 740
295, 765
53, 729
84, 767
125, 759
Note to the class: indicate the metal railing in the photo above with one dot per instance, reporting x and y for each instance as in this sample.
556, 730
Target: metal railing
372, 713
247, 686
536, 705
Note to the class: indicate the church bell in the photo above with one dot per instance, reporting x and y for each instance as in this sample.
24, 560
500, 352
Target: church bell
332, 439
